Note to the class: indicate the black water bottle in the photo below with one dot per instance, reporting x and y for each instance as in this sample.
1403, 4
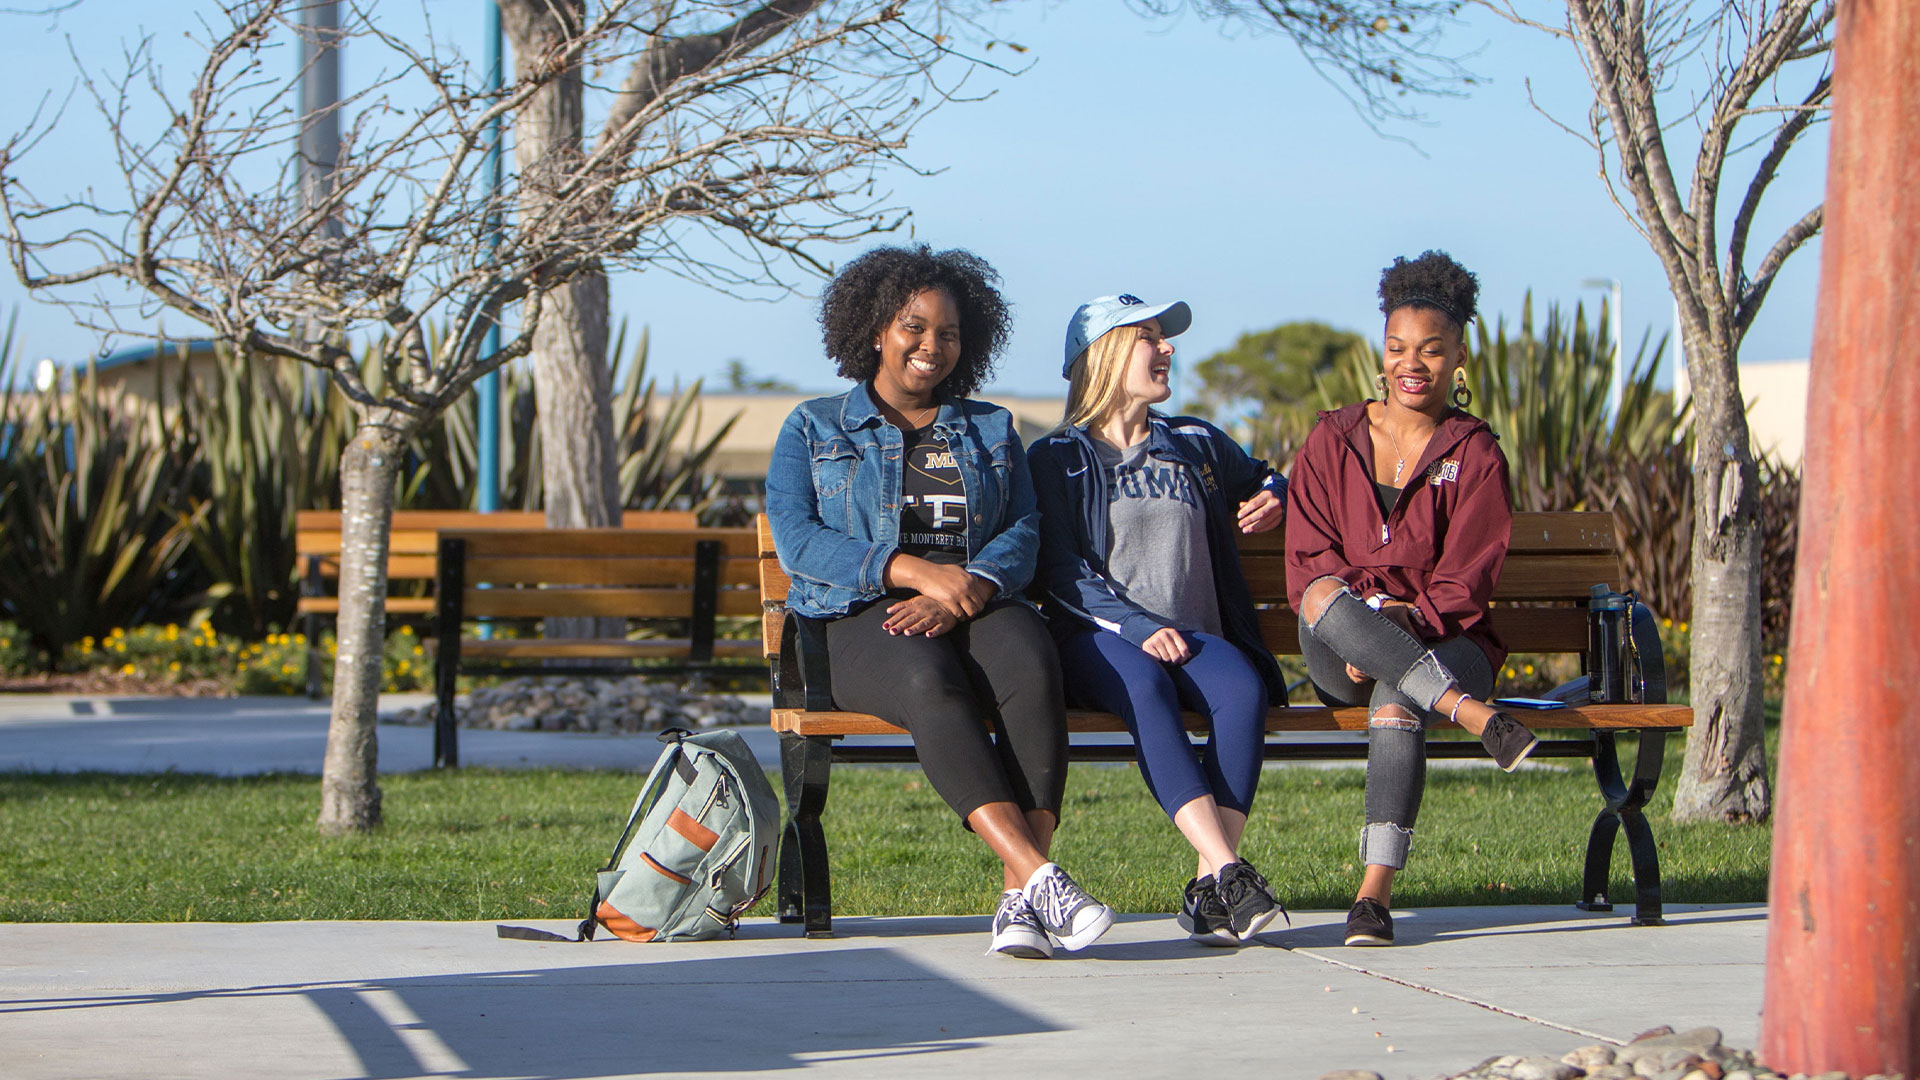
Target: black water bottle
1609, 646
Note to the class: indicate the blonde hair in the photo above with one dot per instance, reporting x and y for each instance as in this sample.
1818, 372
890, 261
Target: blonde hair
1097, 375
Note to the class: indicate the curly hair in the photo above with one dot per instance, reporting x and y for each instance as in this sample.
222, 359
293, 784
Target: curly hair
1433, 280
869, 292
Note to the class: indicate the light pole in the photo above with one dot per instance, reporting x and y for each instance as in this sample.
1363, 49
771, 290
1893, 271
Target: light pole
1616, 325
487, 437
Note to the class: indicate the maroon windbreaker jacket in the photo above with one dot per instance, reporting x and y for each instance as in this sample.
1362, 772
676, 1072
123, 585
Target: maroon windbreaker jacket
1442, 545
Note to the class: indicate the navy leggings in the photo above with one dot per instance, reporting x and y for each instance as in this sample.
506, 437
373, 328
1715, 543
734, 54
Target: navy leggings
1106, 672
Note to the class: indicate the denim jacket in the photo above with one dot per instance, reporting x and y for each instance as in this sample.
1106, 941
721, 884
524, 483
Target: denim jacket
1073, 485
833, 498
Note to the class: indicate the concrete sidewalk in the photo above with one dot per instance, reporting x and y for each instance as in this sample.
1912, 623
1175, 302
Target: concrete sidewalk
889, 996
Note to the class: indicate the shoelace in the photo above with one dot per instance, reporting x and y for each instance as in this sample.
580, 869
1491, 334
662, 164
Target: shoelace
1014, 910
1059, 897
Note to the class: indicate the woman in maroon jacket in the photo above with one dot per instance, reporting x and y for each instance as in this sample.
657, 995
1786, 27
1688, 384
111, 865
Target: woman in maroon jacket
1400, 520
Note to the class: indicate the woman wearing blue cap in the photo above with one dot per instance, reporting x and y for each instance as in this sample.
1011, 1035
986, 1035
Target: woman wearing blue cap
904, 513
1145, 594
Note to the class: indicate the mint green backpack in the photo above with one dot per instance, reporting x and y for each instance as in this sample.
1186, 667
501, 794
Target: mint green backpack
697, 851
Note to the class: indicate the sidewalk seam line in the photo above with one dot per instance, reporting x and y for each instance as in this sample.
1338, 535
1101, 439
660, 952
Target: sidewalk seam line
1436, 991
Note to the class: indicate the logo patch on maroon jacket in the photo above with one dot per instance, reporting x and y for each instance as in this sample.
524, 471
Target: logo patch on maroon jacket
1441, 472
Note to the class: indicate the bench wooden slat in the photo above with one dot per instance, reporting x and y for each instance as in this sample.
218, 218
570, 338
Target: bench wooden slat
327, 544
602, 542
1296, 718
596, 649
434, 520
1522, 629
569, 570
396, 605
399, 567
599, 603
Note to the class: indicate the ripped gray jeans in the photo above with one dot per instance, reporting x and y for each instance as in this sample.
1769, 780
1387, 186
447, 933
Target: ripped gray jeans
1410, 674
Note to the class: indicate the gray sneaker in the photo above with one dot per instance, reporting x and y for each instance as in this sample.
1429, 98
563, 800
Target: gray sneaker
1017, 930
1075, 919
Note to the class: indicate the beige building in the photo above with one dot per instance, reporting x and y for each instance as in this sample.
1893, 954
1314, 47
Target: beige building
742, 459
1776, 394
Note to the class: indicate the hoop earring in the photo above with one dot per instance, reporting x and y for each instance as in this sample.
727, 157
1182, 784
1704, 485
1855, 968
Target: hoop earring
1380, 384
1462, 396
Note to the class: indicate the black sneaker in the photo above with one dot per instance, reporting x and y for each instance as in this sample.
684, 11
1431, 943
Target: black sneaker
1204, 916
1249, 898
1369, 923
1508, 740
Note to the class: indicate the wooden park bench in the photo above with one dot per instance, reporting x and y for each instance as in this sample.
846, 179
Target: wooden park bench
1554, 561
412, 561
670, 585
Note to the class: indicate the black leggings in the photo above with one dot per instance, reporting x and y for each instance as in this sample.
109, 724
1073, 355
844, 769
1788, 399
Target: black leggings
994, 675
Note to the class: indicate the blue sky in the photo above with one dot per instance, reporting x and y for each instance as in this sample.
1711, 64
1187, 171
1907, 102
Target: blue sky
1166, 159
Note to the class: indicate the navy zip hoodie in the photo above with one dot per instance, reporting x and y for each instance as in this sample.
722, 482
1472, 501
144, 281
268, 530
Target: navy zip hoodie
1071, 487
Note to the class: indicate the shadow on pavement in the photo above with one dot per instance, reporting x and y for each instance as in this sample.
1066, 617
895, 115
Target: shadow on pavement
732, 1014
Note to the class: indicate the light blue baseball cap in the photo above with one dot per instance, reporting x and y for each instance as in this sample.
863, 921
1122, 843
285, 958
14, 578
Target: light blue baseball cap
1103, 313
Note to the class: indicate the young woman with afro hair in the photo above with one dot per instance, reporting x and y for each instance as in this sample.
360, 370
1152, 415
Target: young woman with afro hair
903, 511
1398, 524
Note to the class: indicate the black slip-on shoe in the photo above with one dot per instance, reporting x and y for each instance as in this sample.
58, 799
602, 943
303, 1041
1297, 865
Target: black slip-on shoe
1508, 740
1369, 923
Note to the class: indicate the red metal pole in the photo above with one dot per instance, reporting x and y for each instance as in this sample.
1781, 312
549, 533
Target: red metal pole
1843, 951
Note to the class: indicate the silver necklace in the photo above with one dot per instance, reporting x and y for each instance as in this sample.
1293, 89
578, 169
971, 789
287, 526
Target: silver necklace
1400, 465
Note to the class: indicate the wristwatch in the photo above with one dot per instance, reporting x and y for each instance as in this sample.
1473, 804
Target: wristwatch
1377, 600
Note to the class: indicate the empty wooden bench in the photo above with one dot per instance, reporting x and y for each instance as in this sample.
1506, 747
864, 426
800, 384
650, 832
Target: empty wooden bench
412, 560
670, 584
1540, 607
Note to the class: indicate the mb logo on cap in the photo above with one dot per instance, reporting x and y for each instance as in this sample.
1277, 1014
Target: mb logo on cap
1104, 313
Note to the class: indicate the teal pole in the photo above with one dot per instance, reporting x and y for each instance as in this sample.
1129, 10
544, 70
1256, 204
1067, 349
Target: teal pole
488, 435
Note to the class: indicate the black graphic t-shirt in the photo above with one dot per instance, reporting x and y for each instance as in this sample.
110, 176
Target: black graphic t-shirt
933, 503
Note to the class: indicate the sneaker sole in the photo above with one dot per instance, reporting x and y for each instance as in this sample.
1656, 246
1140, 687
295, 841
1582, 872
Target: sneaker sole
1219, 939
1260, 922
1088, 934
1532, 745
1368, 940
1024, 952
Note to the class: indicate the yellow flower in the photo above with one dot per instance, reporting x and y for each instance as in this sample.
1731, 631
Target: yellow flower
173, 631
286, 669
1668, 623
1778, 660
418, 651
299, 639
198, 643
1529, 669
127, 670
175, 666
1683, 628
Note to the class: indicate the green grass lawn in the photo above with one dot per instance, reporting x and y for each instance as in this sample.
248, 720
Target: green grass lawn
480, 844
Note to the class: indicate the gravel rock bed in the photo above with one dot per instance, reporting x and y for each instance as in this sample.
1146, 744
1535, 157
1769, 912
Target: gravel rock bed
1659, 1054
609, 705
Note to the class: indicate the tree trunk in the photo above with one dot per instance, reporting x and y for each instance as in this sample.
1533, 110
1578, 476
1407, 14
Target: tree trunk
573, 387
572, 384
349, 779
1725, 778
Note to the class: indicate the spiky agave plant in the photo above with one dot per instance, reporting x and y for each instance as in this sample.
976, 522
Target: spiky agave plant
270, 434
90, 529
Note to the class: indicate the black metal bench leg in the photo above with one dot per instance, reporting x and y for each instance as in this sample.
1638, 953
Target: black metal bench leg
1624, 807
806, 888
